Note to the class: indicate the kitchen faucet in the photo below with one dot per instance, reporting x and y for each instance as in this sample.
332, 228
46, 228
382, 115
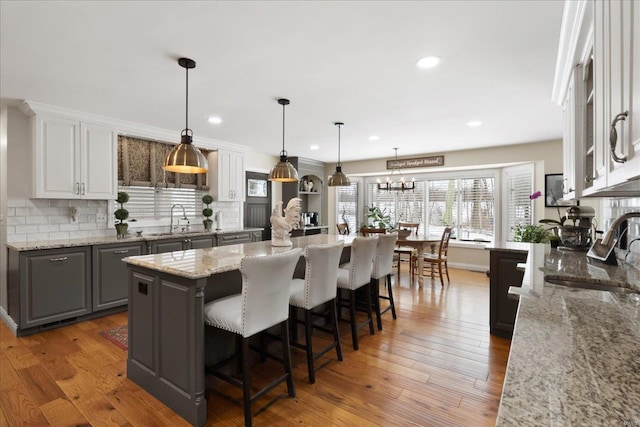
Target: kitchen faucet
184, 216
602, 249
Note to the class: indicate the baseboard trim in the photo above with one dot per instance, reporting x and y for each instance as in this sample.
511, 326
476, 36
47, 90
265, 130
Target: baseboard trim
13, 326
470, 267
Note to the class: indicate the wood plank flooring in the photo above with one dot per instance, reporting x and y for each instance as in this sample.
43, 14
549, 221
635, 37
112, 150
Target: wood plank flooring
436, 365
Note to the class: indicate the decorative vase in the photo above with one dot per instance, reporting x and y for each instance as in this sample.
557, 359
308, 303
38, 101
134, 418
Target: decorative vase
121, 230
207, 224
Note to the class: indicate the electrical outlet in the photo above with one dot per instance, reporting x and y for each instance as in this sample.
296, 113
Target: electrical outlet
101, 217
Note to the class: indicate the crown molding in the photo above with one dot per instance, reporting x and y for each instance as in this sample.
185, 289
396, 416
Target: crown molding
126, 128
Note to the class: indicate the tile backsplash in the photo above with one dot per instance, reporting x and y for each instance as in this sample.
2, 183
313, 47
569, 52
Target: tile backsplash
611, 209
30, 220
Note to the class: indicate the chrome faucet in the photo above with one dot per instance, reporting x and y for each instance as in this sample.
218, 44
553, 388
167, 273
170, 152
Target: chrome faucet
602, 249
184, 216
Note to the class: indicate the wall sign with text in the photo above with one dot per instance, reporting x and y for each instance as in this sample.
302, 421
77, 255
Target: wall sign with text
418, 162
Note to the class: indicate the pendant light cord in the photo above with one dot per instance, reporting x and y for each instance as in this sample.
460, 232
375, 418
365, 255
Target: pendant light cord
283, 153
186, 119
339, 145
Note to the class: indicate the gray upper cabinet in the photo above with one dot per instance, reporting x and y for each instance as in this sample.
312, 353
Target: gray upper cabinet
55, 285
110, 277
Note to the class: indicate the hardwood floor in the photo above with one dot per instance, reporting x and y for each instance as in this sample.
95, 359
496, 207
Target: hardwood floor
436, 365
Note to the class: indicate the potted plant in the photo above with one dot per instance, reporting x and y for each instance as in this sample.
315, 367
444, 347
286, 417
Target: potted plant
121, 214
207, 212
531, 234
378, 218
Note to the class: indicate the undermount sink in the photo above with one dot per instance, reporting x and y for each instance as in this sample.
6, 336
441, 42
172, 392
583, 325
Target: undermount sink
584, 284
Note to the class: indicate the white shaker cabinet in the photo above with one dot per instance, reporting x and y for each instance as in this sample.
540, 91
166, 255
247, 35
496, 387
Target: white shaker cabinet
73, 159
599, 61
226, 170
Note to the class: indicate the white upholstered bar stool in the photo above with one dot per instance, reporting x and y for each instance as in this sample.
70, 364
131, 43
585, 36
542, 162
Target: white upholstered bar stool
355, 276
317, 288
382, 269
263, 303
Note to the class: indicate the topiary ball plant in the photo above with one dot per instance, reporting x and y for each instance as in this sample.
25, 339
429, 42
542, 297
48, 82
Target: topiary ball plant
121, 213
207, 212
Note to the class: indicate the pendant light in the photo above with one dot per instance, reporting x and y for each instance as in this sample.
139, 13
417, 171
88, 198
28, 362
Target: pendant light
283, 171
186, 157
339, 179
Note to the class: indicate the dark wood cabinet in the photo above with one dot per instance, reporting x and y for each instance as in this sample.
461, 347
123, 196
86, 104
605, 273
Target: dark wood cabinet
181, 244
227, 239
504, 274
110, 277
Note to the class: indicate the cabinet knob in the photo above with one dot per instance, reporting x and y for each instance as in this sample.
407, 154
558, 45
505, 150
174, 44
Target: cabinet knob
613, 138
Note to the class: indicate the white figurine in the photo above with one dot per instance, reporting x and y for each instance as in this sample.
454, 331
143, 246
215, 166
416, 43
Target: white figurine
281, 226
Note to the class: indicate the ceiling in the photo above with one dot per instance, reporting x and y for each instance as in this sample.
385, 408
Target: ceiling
335, 60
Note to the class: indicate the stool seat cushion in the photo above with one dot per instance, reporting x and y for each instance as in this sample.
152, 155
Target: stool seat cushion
297, 293
225, 313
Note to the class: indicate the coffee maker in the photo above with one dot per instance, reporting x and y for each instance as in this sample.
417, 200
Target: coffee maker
578, 229
309, 218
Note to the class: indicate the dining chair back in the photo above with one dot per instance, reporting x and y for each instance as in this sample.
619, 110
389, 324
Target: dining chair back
407, 253
413, 226
343, 229
368, 231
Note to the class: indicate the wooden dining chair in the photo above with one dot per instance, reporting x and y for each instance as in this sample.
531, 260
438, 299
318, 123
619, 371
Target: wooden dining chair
439, 259
343, 229
368, 231
407, 253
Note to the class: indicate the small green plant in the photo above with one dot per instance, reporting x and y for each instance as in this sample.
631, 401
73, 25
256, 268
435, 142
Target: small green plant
207, 212
121, 213
378, 218
530, 234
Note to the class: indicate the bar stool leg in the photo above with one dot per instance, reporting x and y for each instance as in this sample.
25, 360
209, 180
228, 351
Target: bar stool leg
336, 331
352, 317
390, 291
369, 310
308, 332
286, 357
246, 382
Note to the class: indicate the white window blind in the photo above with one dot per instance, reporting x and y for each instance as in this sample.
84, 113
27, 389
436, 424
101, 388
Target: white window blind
401, 206
147, 203
518, 206
476, 213
347, 205
442, 205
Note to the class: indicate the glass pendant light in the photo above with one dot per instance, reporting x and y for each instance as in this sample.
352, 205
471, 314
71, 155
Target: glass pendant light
283, 171
186, 157
339, 179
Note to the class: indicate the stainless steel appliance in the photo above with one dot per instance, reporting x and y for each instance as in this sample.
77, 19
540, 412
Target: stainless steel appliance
577, 231
310, 218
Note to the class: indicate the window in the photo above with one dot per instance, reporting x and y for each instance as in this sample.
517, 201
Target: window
517, 206
149, 203
465, 204
347, 205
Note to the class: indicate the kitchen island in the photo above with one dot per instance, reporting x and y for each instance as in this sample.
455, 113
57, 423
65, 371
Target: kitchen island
574, 357
167, 293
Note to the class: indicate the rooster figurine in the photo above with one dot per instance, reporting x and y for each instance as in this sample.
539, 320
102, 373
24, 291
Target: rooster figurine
281, 226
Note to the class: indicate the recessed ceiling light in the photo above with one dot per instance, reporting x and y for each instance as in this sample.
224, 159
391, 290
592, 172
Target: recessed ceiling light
474, 123
374, 138
314, 147
428, 62
215, 120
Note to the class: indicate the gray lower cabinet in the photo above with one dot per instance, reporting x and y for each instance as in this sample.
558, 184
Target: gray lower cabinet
52, 285
180, 244
110, 276
227, 239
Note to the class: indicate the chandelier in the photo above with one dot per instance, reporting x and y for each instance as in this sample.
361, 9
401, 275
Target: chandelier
396, 182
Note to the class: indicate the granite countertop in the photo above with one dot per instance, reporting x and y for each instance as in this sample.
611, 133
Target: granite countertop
575, 353
199, 263
105, 240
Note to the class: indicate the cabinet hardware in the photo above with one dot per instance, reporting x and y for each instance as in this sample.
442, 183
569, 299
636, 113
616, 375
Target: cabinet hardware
613, 137
588, 179
142, 288
64, 258
77, 188
83, 192
124, 251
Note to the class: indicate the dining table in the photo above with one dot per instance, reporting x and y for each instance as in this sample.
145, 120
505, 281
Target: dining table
423, 243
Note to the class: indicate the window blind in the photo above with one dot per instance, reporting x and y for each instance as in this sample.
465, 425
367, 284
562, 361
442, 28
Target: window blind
518, 205
147, 203
476, 216
347, 205
442, 210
